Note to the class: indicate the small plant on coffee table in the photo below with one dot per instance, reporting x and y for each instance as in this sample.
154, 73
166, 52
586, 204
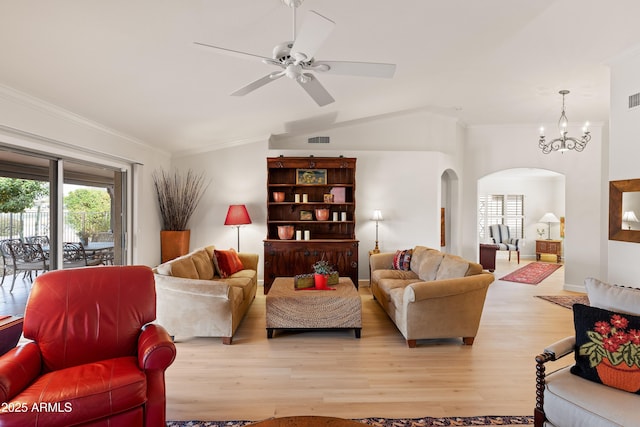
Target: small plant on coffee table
322, 267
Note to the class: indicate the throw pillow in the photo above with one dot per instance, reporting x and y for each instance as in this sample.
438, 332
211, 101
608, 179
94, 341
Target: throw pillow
227, 262
203, 264
184, 267
402, 260
607, 347
612, 297
452, 267
430, 264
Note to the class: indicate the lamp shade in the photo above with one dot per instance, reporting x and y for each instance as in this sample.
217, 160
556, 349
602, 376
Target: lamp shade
630, 216
549, 217
377, 215
237, 215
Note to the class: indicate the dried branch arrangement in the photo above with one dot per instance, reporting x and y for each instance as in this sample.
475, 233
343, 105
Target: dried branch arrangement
178, 197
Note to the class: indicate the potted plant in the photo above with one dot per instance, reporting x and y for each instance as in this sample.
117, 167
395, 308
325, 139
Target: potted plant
615, 353
178, 198
322, 269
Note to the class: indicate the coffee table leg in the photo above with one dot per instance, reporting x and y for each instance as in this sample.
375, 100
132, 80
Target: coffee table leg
357, 331
269, 333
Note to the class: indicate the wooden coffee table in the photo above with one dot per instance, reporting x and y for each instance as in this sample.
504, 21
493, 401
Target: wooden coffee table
288, 308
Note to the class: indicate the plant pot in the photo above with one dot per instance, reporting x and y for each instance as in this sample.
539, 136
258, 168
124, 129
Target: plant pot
174, 244
620, 376
285, 232
278, 196
320, 281
322, 214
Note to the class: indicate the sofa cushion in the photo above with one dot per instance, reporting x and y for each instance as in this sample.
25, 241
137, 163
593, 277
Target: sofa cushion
430, 264
571, 400
612, 297
227, 262
402, 260
387, 285
203, 264
378, 275
417, 257
607, 347
451, 267
184, 267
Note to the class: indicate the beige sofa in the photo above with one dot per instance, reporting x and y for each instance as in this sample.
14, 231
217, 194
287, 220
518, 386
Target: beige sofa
193, 300
564, 399
439, 296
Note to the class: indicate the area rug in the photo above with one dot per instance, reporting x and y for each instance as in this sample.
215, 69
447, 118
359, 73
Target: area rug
391, 422
565, 301
532, 273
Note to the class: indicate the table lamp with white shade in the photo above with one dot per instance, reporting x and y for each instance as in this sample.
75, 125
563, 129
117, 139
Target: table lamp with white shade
377, 217
629, 216
549, 217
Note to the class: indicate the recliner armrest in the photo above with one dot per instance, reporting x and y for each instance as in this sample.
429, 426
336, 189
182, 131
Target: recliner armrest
156, 350
18, 368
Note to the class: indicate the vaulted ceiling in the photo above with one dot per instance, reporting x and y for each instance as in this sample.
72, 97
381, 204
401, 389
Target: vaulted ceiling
132, 65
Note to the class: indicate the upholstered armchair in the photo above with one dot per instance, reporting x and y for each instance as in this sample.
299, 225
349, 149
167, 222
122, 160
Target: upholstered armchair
501, 236
95, 358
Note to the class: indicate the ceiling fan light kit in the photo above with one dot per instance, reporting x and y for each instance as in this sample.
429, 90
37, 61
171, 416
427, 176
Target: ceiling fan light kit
297, 62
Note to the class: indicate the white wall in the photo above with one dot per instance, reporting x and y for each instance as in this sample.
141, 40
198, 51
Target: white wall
623, 161
494, 148
404, 184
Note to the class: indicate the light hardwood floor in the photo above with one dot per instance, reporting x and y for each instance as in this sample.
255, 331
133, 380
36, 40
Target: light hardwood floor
332, 373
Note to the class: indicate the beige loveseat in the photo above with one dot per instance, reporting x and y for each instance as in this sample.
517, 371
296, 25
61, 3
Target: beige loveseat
439, 296
565, 399
193, 300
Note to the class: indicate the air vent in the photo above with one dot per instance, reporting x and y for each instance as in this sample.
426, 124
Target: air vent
634, 100
319, 140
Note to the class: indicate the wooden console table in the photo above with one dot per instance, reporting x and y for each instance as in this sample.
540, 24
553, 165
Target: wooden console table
551, 247
488, 256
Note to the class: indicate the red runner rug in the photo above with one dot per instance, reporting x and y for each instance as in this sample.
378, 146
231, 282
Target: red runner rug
532, 273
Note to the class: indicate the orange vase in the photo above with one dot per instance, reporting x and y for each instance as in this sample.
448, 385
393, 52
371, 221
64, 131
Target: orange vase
619, 376
174, 244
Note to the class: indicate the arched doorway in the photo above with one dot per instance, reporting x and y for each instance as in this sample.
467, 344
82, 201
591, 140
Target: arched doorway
522, 196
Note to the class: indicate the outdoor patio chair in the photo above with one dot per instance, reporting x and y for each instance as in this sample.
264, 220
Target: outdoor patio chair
26, 257
74, 256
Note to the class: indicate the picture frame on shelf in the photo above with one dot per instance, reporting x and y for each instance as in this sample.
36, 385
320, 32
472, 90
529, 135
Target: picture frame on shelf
328, 198
311, 177
306, 216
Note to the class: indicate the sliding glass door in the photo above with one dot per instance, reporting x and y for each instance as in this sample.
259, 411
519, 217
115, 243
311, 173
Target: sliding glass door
64, 201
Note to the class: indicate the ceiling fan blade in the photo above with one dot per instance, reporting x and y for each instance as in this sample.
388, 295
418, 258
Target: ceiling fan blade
366, 69
257, 84
231, 52
313, 87
315, 30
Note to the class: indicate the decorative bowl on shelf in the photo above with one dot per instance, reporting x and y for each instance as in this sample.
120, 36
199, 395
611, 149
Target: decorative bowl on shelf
285, 232
322, 214
278, 196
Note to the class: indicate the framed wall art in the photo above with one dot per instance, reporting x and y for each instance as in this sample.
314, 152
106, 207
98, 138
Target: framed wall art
311, 176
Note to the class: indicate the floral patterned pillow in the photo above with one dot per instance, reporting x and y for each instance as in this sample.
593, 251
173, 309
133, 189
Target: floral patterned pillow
402, 260
607, 347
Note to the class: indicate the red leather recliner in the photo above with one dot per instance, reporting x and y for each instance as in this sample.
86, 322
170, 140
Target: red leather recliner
95, 359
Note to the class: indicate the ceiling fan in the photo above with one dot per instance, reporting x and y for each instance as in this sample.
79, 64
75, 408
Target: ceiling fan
295, 58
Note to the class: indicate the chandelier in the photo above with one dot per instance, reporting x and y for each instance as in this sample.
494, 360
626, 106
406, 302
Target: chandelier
564, 142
